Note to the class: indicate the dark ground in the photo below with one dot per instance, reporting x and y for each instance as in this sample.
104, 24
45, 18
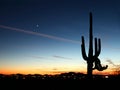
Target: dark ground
60, 84
65, 81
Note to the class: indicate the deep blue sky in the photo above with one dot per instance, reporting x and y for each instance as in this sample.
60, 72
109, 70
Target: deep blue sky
58, 19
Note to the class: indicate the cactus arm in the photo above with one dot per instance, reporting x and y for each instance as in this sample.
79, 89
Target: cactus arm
98, 65
97, 49
99, 44
83, 49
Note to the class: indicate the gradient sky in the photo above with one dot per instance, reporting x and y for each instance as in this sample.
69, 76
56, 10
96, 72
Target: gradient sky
44, 36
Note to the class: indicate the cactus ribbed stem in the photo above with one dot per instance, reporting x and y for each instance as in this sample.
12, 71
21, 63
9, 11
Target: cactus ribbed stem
90, 38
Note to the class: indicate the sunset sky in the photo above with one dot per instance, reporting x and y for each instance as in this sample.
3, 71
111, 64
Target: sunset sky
44, 36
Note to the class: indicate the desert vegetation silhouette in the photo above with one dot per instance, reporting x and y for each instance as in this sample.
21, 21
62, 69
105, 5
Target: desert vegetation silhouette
93, 62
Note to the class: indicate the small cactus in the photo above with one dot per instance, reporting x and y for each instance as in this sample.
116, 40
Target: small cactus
92, 59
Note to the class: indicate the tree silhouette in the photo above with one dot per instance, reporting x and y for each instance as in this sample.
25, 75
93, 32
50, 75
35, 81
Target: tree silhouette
93, 62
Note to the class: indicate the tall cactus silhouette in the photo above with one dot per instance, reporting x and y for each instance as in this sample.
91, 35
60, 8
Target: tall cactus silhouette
93, 61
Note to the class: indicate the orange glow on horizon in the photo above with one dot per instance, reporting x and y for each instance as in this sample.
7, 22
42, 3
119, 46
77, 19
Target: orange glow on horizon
34, 72
52, 72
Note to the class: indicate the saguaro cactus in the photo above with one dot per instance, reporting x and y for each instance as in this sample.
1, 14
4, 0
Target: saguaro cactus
92, 60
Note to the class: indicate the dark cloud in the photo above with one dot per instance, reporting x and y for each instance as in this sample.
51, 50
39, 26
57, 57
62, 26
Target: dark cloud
116, 67
55, 69
110, 62
61, 57
38, 57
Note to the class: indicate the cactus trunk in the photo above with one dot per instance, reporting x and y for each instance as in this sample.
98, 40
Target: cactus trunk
89, 70
90, 55
90, 38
